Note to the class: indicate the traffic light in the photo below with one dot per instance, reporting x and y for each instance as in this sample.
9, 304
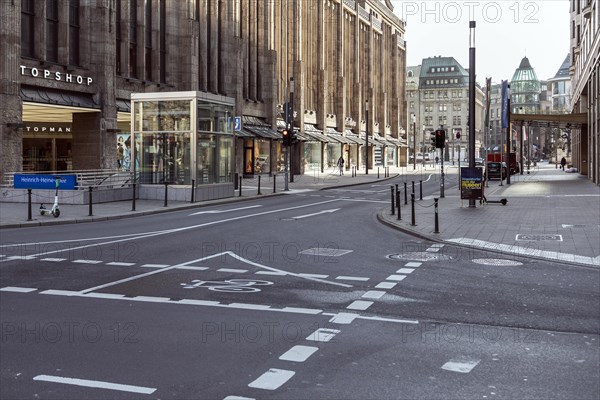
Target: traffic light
432, 137
287, 140
440, 138
458, 135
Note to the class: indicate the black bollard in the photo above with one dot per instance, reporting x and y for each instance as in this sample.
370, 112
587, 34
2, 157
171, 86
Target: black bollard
437, 224
258, 186
377, 172
405, 194
398, 203
421, 189
166, 193
193, 189
240, 186
90, 202
393, 205
133, 199
274, 183
412, 211
413, 187
29, 218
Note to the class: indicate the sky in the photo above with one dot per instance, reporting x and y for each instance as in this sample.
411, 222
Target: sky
506, 31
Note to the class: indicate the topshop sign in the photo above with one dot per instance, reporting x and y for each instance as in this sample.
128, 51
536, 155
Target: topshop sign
55, 75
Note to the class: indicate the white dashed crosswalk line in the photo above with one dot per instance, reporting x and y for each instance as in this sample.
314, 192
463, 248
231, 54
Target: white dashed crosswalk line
298, 353
272, 379
360, 305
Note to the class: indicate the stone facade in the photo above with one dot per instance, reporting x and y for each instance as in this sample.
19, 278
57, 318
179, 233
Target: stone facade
340, 54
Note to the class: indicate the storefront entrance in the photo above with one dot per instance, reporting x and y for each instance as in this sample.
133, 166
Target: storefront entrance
47, 148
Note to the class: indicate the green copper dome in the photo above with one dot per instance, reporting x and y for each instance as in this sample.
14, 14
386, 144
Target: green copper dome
525, 89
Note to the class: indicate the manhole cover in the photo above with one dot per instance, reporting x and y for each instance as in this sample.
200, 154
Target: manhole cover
537, 237
496, 261
419, 256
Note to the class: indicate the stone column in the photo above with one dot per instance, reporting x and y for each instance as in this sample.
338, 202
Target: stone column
11, 137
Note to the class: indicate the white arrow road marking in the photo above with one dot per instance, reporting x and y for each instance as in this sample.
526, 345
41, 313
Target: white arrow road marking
224, 211
317, 213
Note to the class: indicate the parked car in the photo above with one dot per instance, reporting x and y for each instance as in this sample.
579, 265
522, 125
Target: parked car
478, 161
494, 169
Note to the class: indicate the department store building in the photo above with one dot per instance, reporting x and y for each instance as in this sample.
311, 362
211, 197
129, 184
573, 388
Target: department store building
70, 67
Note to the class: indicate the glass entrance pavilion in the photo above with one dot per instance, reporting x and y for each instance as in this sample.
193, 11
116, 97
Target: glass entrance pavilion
184, 139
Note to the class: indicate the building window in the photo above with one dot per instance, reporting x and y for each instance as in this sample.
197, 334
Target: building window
133, 39
74, 32
456, 107
52, 30
148, 41
442, 120
443, 107
27, 28
118, 36
163, 41
429, 120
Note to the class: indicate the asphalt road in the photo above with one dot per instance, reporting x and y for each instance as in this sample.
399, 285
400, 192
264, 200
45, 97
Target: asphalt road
299, 296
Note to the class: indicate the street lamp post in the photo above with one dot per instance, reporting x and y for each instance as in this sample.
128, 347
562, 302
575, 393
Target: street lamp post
414, 141
367, 137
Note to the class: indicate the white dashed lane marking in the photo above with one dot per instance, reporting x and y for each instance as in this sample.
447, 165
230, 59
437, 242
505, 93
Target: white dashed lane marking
353, 278
52, 259
413, 264
360, 305
322, 335
298, 353
461, 364
272, 379
405, 270
232, 270
386, 285
396, 277
87, 261
95, 384
17, 289
343, 318
121, 264
373, 294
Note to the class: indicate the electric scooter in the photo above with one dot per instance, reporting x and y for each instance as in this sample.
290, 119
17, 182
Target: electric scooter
55, 211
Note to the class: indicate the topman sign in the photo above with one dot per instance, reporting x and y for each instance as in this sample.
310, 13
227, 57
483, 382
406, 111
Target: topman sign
56, 75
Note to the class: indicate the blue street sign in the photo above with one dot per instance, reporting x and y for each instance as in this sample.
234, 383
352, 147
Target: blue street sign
237, 126
43, 181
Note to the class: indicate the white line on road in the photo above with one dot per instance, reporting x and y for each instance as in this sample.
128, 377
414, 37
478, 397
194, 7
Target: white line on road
323, 335
53, 259
462, 365
298, 353
317, 213
373, 294
17, 289
238, 398
405, 270
413, 264
154, 265
224, 211
87, 261
232, 270
386, 285
272, 379
352, 278
120, 264
95, 384
343, 318
360, 305
396, 278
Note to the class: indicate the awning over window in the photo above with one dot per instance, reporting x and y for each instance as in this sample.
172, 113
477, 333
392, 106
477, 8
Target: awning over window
58, 97
123, 105
263, 132
256, 127
317, 134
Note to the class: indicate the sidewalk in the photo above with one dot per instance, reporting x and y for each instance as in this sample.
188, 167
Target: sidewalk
549, 214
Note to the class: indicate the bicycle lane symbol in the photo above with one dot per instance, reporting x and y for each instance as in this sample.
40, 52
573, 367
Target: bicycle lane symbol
230, 285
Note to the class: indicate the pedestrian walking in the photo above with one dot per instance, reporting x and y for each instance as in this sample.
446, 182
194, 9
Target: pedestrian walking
563, 162
340, 164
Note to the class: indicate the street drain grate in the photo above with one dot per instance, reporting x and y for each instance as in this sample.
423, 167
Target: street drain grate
496, 261
538, 237
419, 256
